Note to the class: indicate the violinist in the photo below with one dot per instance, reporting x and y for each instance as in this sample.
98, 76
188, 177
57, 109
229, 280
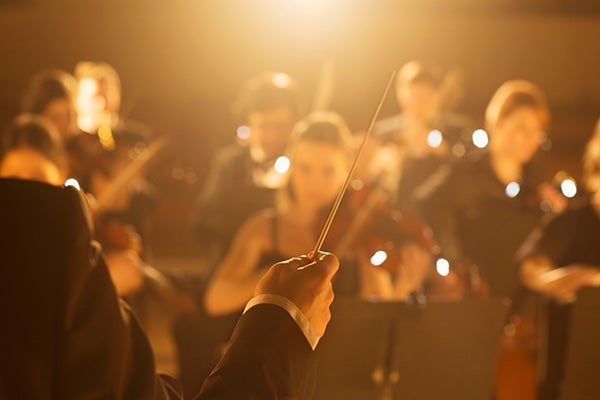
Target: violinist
51, 94
319, 160
485, 208
483, 211
239, 181
107, 142
421, 142
319, 155
559, 258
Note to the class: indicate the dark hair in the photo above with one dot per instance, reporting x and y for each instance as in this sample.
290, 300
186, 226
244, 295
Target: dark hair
45, 87
28, 131
321, 127
265, 92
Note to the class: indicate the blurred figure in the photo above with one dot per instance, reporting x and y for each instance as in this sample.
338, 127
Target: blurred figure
29, 150
418, 145
66, 335
107, 144
483, 211
242, 179
51, 94
320, 155
561, 257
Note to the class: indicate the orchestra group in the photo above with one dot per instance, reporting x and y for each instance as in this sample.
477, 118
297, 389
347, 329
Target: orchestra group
438, 210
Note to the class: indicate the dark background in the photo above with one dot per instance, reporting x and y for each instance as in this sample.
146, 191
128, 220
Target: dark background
181, 62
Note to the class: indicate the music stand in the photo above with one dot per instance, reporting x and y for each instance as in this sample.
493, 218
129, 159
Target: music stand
403, 351
583, 353
447, 350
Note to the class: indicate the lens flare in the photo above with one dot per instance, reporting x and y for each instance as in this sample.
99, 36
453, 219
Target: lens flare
378, 258
282, 164
442, 266
435, 138
568, 187
512, 189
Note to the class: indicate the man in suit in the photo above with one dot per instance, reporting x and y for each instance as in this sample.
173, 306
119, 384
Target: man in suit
66, 335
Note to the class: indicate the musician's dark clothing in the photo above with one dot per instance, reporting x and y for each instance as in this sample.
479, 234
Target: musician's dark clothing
87, 155
228, 198
65, 335
418, 174
477, 223
569, 238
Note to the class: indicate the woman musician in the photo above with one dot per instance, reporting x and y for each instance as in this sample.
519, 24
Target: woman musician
560, 258
319, 156
483, 211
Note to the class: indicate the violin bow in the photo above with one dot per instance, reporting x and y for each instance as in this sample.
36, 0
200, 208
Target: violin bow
340, 195
129, 173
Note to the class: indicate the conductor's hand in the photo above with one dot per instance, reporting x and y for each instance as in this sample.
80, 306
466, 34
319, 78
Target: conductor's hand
305, 283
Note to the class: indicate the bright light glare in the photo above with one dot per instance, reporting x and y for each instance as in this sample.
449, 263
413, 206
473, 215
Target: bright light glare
243, 132
378, 258
442, 266
434, 139
282, 164
568, 187
480, 138
512, 189
87, 87
281, 80
72, 182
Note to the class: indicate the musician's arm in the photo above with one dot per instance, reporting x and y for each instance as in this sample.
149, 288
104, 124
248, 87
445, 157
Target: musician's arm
539, 273
234, 281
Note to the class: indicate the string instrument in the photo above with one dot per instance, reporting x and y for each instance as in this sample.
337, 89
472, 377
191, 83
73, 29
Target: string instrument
119, 236
367, 222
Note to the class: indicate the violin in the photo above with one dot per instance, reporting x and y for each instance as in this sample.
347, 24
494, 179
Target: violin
118, 237
367, 222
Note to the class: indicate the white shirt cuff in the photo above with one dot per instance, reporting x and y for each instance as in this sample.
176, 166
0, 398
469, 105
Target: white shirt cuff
309, 333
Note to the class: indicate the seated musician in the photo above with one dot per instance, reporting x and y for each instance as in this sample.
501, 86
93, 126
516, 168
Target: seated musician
29, 150
65, 334
240, 179
51, 94
319, 161
559, 258
319, 157
426, 137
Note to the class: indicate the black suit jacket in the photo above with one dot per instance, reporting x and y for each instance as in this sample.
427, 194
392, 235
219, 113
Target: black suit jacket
65, 335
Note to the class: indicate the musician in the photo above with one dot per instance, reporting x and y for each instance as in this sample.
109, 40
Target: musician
320, 156
29, 150
419, 144
66, 335
106, 142
240, 181
51, 94
559, 258
485, 208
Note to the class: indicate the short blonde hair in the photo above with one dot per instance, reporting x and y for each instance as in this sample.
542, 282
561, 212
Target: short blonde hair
513, 95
